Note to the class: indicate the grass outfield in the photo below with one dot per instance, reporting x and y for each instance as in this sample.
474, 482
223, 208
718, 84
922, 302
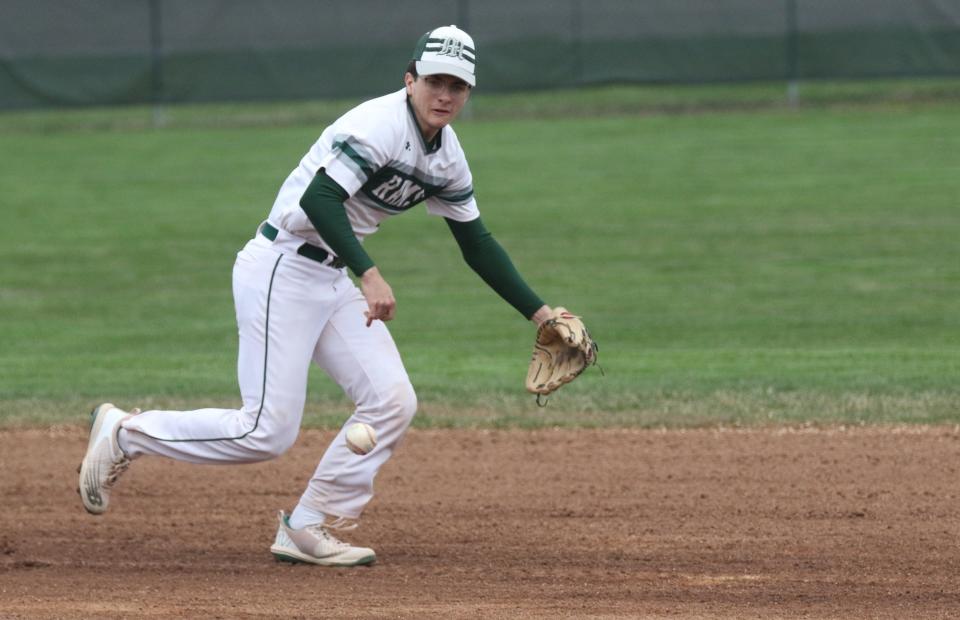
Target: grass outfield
736, 267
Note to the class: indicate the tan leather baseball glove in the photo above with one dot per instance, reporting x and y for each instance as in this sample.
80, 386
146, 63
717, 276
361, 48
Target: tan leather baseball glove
562, 351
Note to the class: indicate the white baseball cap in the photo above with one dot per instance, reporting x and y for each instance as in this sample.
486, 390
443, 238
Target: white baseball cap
447, 50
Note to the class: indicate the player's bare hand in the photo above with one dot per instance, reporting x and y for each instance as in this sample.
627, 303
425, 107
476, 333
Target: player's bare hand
381, 304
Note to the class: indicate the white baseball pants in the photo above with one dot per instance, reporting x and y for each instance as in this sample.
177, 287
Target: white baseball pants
292, 310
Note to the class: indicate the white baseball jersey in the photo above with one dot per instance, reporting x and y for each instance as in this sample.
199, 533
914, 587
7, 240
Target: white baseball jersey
377, 154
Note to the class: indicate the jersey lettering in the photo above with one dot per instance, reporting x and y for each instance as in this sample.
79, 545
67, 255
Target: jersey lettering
398, 192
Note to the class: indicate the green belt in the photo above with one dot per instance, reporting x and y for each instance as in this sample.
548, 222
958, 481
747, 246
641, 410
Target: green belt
306, 250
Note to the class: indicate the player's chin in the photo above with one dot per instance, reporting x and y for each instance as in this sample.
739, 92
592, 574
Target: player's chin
441, 118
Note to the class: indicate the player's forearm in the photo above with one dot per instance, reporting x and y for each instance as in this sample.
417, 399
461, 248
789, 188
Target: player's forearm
323, 204
491, 262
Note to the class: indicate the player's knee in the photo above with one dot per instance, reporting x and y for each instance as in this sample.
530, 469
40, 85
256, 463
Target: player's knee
282, 443
394, 404
267, 445
403, 400
269, 448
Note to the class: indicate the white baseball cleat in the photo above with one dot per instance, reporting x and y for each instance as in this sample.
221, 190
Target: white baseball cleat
104, 461
314, 544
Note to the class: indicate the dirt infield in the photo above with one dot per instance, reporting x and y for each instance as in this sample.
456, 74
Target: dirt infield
776, 523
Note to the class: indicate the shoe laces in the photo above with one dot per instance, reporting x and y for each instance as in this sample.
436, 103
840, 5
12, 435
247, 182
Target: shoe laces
120, 465
344, 524
115, 471
320, 530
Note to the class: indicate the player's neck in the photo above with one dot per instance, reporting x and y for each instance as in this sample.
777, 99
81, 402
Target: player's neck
429, 133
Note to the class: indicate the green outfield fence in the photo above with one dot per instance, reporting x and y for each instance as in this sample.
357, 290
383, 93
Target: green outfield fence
106, 52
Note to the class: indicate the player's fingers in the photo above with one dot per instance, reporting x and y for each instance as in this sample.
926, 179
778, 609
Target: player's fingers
383, 310
376, 315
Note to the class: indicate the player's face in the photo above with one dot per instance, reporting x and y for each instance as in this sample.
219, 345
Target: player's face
436, 100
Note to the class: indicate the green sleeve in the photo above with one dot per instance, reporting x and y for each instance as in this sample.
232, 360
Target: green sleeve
488, 258
323, 204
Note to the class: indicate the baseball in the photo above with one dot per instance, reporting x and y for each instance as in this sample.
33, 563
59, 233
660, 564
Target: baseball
361, 438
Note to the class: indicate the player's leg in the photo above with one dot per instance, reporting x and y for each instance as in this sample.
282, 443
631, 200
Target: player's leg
365, 362
282, 302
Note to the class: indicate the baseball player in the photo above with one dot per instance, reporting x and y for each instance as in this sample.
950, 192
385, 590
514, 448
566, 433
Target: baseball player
296, 304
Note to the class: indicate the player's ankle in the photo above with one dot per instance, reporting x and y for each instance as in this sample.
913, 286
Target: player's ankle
302, 516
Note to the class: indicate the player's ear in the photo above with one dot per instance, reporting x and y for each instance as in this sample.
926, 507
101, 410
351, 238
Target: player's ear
408, 79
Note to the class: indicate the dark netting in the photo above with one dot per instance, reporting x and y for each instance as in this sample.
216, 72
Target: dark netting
59, 52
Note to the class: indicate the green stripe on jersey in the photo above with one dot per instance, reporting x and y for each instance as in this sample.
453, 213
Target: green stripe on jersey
459, 198
354, 160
